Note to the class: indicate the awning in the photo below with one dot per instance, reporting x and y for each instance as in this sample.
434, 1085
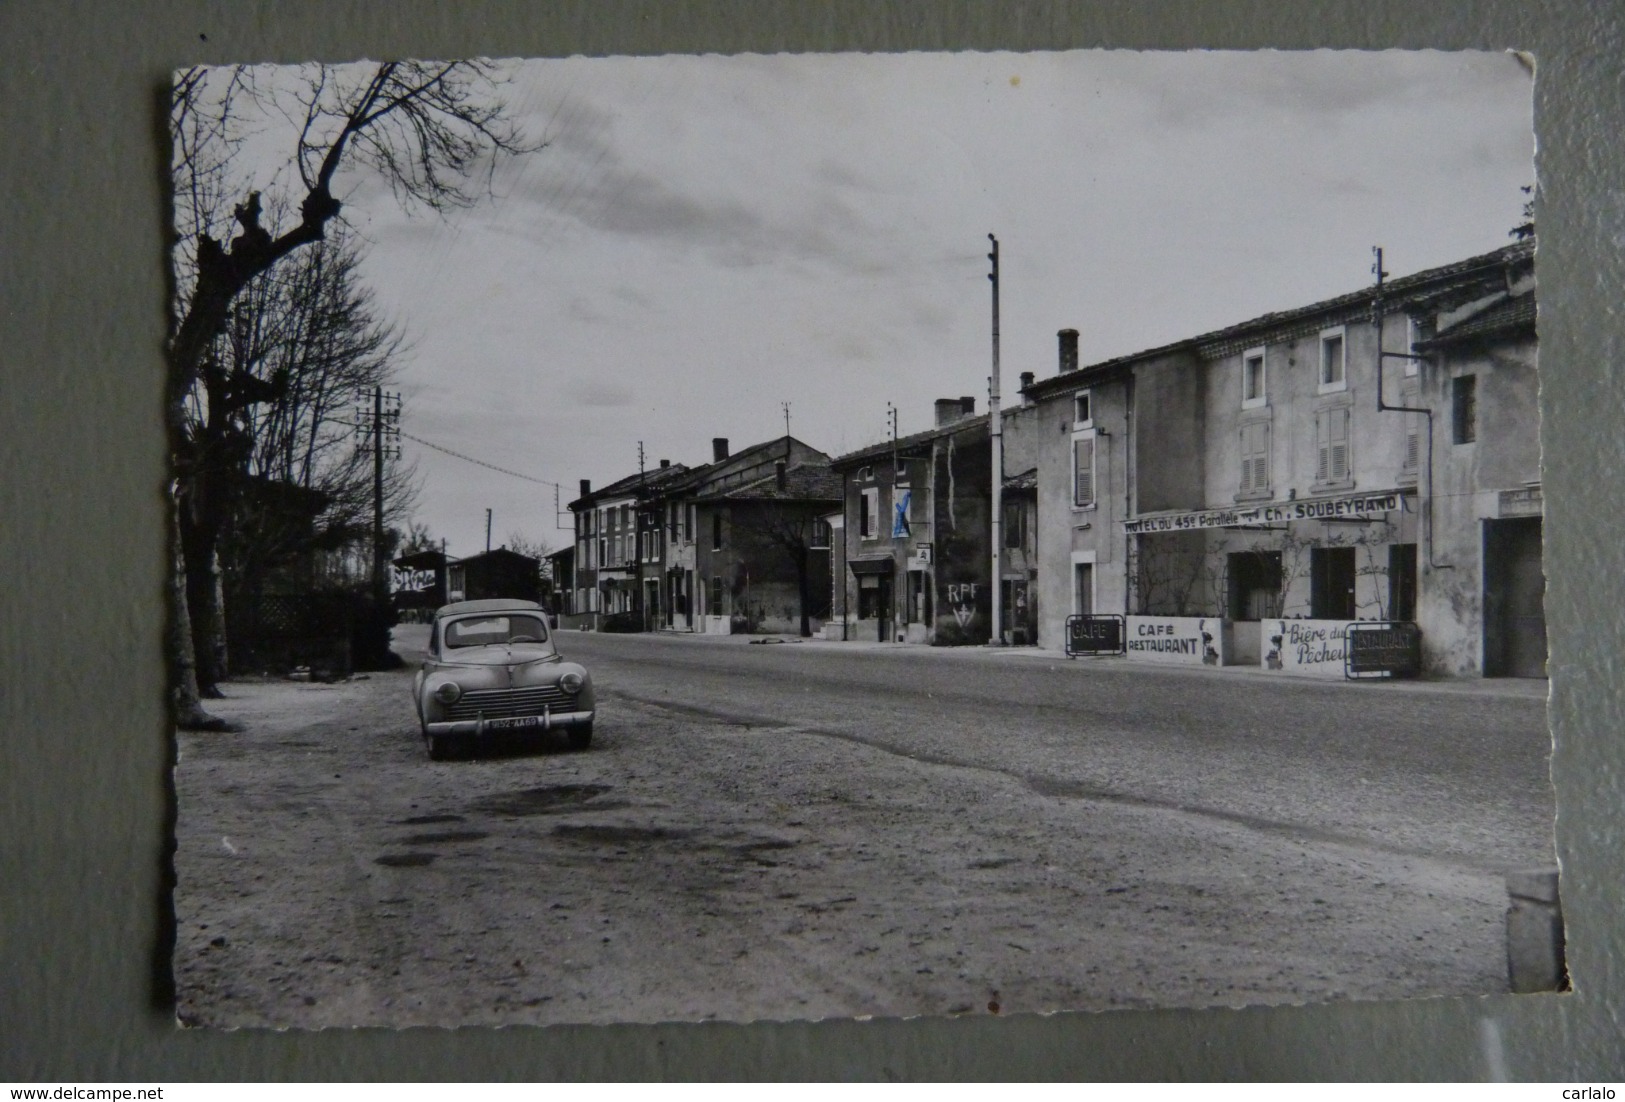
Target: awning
872, 566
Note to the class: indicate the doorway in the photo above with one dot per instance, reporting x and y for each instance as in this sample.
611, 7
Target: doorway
1083, 588
1331, 583
1514, 599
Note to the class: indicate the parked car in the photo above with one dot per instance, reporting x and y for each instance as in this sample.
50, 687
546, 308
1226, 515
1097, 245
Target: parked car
492, 669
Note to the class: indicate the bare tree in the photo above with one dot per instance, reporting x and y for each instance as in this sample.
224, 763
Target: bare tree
430, 131
309, 330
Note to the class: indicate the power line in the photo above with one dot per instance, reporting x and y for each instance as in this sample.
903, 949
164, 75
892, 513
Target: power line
477, 462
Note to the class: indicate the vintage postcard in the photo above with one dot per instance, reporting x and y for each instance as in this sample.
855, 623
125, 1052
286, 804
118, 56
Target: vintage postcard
791, 537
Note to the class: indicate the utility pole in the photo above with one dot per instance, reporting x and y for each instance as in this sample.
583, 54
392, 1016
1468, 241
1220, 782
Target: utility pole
995, 421
379, 432
637, 546
380, 591
488, 531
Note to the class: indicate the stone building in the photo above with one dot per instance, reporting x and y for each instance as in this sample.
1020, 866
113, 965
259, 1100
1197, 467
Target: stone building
916, 533
1253, 490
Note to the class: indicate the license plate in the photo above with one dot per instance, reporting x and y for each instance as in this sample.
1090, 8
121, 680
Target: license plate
516, 721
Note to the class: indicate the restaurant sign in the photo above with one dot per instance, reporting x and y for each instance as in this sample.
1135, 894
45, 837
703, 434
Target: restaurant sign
1382, 648
1352, 507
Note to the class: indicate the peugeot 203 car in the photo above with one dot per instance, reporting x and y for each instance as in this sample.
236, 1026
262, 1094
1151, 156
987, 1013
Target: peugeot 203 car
492, 669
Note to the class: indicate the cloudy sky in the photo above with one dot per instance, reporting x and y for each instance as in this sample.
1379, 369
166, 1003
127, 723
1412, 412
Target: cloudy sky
706, 238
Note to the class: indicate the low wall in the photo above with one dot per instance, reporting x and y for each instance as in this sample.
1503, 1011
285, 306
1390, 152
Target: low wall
714, 625
1178, 640
1311, 647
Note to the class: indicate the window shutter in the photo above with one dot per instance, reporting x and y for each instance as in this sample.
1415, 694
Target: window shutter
1083, 454
1413, 443
1255, 457
1340, 444
1323, 448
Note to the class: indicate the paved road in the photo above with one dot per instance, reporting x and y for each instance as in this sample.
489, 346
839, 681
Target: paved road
1430, 770
811, 830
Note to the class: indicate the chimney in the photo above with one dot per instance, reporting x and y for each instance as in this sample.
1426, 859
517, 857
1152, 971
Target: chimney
779, 469
947, 411
586, 486
664, 463
719, 448
967, 406
1026, 380
1068, 339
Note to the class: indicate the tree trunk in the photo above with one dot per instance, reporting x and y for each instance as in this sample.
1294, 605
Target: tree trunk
206, 618
188, 704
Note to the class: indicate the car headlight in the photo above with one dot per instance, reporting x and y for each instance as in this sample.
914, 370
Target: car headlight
571, 682
447, 692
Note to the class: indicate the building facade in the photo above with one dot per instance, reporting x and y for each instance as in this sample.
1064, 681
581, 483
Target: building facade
1248, 493
703, 570
916, 533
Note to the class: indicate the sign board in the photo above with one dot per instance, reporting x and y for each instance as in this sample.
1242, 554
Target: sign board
1352, 507
1382, 648
402, 578
1181, 640
1526, 502
1313, 647
1094, 635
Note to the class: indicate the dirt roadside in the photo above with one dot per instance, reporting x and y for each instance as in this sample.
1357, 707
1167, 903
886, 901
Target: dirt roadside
689, 867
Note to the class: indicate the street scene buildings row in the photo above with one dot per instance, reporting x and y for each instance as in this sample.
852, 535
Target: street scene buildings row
1238, 497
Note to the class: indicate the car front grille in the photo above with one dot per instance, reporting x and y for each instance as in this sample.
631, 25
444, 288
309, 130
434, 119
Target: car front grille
503, 703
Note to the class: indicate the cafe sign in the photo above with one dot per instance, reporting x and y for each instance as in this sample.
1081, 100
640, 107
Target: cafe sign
1351, 507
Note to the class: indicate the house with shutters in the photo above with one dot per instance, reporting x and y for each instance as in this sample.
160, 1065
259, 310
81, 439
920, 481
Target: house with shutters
916, 532
730, 563
618, 551
1371, 457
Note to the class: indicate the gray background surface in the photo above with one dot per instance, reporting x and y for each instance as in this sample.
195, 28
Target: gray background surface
84, 754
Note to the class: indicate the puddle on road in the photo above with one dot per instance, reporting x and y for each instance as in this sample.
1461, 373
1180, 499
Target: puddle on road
552, 799
444, 838
425, 820
404, 860
619, 835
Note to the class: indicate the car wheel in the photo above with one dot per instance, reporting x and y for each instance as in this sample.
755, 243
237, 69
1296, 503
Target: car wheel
439, 747
580, 737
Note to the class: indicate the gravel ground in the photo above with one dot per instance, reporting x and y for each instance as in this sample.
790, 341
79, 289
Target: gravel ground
778, 851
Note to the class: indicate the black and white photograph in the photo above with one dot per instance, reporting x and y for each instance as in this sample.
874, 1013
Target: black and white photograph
825, 536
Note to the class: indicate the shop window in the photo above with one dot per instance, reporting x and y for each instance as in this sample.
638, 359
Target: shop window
1252, 379
1332, 446
1255, 585
1333, 360
1083, 471
1255, 458
716, 605
1331, 583
869, 514
1464, 409
1402, 581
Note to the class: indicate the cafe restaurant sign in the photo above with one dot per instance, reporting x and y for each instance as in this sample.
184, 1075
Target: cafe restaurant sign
1352, 507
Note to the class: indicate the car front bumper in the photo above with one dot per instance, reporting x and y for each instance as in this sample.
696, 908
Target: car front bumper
478, 728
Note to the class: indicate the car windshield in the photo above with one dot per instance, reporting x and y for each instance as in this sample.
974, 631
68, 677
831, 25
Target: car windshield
482, 631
